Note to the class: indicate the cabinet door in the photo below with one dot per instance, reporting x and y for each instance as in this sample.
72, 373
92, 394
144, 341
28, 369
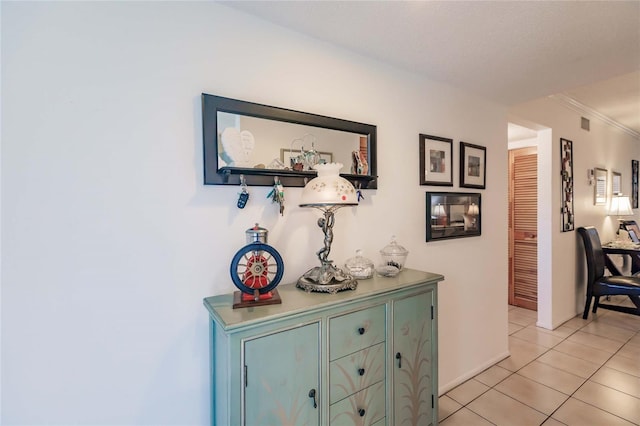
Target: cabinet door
413, 368
281, 378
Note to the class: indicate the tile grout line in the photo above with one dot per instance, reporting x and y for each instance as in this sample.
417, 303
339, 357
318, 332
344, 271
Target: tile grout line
511, 373
593, 374
548, 416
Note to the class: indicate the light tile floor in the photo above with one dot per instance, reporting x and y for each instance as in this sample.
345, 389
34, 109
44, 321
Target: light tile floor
585, 372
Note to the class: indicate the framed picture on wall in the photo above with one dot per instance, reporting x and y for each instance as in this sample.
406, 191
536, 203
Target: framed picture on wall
473, 166
436, 160
600, 188
616, 183
634, 184
566, 171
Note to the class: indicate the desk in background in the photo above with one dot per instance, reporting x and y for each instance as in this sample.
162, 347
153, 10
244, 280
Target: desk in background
625, 248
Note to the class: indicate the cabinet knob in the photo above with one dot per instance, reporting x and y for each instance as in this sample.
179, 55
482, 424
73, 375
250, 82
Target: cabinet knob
361, 330
312, 394
361, 412
361, 371
399, 358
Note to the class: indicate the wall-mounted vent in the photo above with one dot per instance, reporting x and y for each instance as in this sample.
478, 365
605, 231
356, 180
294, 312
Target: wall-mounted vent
584, 123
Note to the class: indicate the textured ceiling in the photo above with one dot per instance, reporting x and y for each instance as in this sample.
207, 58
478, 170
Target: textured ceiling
505, 51
617, 98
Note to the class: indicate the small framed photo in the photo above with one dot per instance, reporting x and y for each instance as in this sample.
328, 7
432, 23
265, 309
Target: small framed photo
473, 166
616, 183
600, 188
436, 161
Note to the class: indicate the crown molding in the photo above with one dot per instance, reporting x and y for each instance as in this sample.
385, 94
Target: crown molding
578, 106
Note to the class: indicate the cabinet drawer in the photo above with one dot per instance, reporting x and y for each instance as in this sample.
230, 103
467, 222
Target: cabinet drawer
363, 408
349, 374
358, 330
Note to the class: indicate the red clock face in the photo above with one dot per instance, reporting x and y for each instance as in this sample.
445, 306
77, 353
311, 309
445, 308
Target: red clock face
257, 272
256, 266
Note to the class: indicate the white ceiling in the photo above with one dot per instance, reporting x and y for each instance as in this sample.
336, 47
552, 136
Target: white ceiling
506, 51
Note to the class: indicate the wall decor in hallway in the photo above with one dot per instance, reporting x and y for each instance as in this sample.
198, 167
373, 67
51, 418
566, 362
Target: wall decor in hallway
634, 184
566, 160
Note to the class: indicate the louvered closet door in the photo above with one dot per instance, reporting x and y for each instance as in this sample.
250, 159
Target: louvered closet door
523, 229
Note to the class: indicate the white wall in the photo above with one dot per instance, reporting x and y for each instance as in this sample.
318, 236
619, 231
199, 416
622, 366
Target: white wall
110, 241
603, 146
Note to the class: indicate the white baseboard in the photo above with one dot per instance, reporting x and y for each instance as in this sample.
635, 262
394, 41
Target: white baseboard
452, 384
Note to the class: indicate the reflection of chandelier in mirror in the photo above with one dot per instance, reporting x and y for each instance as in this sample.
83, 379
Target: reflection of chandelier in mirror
307, 158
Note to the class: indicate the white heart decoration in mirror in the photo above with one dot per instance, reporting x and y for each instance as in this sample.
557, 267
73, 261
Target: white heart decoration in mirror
238, 146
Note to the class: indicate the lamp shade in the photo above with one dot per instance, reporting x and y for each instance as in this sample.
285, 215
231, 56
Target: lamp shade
473, 210
620, 206
438, 210
328, 189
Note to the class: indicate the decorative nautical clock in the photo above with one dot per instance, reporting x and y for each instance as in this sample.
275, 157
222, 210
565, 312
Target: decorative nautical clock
256, 269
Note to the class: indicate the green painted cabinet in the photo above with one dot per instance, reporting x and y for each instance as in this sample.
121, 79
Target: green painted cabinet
362, 357
414, 349
281, 377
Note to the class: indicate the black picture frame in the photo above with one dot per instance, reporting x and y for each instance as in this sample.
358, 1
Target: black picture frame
473, 166
634, 184
453, 215
436, 160
566, 173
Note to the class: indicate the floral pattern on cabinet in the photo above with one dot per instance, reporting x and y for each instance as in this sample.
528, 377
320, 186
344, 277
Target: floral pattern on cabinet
361, 409
413, 369
281, 370
357, 371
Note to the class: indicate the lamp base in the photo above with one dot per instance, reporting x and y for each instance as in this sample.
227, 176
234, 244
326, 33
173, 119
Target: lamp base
326, 279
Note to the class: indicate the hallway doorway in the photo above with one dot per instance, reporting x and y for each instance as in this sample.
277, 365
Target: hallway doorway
523, 228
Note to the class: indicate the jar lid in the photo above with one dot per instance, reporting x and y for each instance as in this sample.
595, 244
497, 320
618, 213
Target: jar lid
393, 248
257, 233
358, 260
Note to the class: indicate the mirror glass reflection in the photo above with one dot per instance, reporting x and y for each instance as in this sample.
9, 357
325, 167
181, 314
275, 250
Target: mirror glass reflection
252, 142
453, 215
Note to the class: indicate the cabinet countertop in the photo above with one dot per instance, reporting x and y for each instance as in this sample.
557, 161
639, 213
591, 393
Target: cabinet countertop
295, 300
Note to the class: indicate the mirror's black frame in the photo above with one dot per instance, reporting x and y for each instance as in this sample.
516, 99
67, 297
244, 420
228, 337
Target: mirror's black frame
448, 230
213, 175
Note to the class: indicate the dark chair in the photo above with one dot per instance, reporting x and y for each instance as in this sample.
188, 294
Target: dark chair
632, 228
600, 285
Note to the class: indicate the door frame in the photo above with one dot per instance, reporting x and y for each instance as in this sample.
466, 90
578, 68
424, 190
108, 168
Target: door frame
527, 304
545, 216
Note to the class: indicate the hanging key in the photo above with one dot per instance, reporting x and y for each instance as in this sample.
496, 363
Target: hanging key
277, 194
244, 193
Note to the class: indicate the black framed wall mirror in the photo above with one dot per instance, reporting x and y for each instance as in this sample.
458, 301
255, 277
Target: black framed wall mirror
453, 215
261, 142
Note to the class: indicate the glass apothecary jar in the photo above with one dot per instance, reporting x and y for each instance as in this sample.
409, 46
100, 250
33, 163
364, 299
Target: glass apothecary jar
394, 254
359, 267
